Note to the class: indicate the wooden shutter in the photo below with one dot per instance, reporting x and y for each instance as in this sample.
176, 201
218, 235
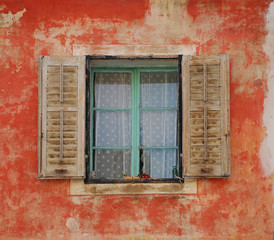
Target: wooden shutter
206, 121
61, 140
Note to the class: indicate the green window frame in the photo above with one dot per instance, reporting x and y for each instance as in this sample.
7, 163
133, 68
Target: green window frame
135, 110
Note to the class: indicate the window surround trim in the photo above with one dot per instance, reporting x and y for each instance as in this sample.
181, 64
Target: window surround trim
78, 187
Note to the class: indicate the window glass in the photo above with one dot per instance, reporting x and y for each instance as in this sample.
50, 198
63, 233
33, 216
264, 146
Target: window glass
112, 90
134, 122
112, 163
158, 128
112, 128
159, 163
158, 89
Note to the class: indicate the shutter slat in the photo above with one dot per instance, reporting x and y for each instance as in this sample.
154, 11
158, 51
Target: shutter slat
61, 83
65, 162
62, 117
61, 134
206, 116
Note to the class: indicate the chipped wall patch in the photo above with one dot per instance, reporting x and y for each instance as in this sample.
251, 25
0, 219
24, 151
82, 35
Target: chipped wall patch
267, 150
72, 224
8, 19
2, 7
239, 207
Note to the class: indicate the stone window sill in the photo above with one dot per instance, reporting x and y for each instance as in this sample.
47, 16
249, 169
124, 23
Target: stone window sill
78, 187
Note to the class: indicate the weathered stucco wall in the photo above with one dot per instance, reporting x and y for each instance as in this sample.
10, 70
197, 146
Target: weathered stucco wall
239, 207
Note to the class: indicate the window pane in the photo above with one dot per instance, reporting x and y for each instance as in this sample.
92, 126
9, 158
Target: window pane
112, 90
158, 128
159, 89
112, 163
158, 163
112, 129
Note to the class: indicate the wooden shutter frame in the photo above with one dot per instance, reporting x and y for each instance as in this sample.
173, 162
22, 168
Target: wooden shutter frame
225, 118
79, 62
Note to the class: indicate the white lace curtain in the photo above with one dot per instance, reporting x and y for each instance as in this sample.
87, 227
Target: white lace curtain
158, 128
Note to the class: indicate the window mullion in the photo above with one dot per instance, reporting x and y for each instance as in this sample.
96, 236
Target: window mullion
135, 125
132, 123
137, 163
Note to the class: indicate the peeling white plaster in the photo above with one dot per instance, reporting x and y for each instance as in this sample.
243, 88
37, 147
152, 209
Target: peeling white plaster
2, 7
72, 224
267, 148
76, 200
154, 29
7, 19
133, 50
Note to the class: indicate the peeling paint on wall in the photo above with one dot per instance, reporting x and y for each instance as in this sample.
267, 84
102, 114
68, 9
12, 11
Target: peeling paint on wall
239, 207
267, 148
8, 19
72, 224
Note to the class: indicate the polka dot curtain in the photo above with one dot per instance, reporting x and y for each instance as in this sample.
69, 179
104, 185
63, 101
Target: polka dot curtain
158, 127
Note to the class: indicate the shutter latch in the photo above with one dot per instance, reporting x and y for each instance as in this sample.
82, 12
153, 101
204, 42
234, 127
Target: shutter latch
61, 171
206, 170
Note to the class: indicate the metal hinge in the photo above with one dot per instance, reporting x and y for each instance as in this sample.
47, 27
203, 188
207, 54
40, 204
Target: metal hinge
86, 157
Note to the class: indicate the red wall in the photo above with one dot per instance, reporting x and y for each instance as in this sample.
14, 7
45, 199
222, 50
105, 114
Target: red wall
235, 208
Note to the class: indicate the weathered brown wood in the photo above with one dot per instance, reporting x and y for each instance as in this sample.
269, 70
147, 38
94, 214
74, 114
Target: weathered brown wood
205, 170
62, 87
64, 162
61, 171
186, 113
205, 110
205, 134
205, 82
225, 115
40, 135
61, 134
201, 59
206, 144
44, 107
61, 82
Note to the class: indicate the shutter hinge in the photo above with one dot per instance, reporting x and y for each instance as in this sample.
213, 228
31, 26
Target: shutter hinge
227, 134
86, 158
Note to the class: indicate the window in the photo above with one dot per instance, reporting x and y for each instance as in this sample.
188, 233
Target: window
133, 117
